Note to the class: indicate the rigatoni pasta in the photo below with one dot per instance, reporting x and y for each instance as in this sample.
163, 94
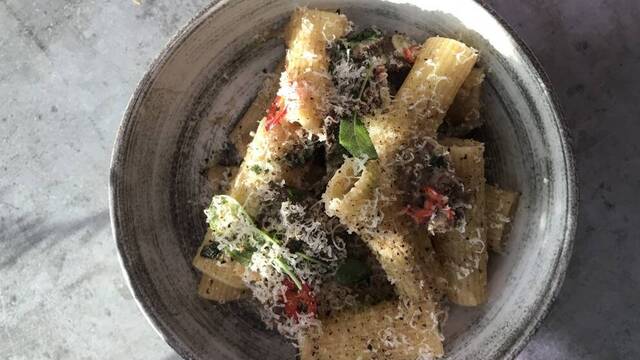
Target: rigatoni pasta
464, 114
420, 105
306, 82
390, 330
463, 254
500, 206
212, 289
217, 277
440, 68
265, 163
351, 219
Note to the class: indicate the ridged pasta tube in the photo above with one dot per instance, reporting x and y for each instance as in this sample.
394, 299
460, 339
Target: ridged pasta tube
463, 255
464, 114
389, 330
500, 206
441, 67
211, 289
228, 273
420, 105
306, 81
306, 66
353, 195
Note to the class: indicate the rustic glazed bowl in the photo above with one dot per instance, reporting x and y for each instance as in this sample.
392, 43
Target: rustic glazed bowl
198, 87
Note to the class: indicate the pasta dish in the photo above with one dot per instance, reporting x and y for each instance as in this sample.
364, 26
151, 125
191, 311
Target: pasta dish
350, 202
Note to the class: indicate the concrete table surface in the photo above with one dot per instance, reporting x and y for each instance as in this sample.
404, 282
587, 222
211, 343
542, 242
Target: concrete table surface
67, 69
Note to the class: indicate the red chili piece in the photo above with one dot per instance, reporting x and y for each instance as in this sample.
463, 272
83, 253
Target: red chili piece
409, 53
435, 197
276, 113
450, 213
420, 215
433, 203
298, 301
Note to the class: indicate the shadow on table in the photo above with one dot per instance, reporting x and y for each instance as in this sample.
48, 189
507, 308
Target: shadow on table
26, 234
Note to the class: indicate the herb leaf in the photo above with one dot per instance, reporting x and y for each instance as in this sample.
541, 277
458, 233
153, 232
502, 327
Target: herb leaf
236, 234
284, 267
355, 138
243, 257
352, 271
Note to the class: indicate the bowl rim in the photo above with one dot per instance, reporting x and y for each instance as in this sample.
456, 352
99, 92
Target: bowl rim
553, 287
548, 297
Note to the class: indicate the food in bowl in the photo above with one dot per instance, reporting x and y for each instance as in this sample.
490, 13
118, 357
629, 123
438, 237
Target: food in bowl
356, 208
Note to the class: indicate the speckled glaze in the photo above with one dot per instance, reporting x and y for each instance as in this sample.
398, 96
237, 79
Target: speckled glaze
207, 75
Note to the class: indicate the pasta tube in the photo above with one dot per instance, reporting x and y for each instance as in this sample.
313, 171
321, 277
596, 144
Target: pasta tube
464, 114
390, 330
217, 276
463, 255
372, 206
306, 64
249, 185
228, 272
210, 289
352, 195
500, 206
356, 200
440, 69
306, 81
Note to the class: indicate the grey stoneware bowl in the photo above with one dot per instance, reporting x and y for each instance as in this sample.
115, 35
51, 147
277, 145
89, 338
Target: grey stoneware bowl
206, 76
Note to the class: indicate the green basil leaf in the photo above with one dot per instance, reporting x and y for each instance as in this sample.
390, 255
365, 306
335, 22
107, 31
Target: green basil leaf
354, 137
240, 237
352, 271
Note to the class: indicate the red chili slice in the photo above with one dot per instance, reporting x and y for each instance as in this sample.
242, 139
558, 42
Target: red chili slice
409, 53
420, 215
435, 197
450, 213
433, 203
276, 113
298, 301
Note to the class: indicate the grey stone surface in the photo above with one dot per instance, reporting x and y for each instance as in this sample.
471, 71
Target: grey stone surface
67, 69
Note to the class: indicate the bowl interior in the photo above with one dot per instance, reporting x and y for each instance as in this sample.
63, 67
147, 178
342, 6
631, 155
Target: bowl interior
196, 91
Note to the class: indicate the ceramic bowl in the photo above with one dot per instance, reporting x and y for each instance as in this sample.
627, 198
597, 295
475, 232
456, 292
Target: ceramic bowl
198, 87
